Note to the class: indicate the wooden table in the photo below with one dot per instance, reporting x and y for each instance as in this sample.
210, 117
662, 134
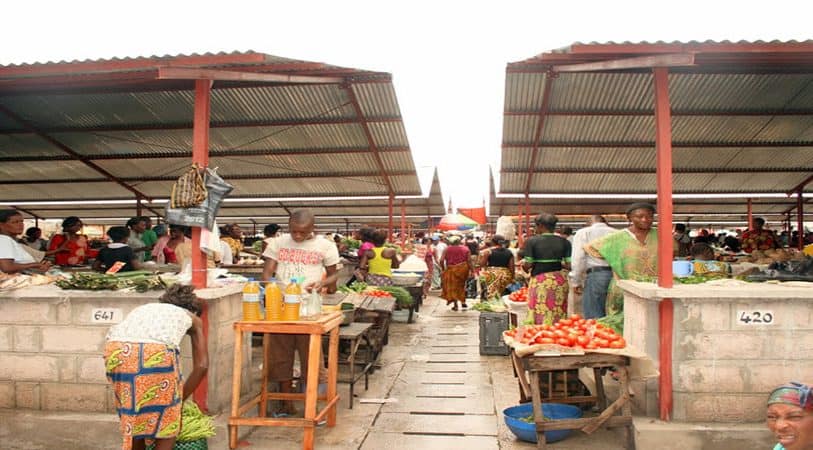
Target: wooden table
325, 324
353, 334
536, 365
375, 310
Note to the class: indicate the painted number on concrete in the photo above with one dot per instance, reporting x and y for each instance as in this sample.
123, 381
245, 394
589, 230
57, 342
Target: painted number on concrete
105, 315
755, 317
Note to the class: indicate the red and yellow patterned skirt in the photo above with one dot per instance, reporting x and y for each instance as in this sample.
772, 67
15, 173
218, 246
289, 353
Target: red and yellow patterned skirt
146, 380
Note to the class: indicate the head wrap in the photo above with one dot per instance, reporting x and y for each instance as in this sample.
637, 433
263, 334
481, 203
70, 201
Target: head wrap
793, 393
454, 239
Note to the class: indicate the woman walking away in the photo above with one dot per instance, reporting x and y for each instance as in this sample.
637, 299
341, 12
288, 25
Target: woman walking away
498, 267
546, 257
142, 361
790, 416
631, 253
376, 264
456, 269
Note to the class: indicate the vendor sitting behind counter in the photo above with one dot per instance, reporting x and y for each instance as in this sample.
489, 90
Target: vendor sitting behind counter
14, 258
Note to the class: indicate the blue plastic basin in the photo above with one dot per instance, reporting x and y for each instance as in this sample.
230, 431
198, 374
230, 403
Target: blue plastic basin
527, 431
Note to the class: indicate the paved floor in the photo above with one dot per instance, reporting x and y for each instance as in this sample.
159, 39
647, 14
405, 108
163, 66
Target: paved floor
439, 393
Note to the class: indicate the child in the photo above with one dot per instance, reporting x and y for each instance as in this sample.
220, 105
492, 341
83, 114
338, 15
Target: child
705, 262
117, 251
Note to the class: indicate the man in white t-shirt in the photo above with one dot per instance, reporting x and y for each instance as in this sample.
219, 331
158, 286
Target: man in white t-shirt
298, 254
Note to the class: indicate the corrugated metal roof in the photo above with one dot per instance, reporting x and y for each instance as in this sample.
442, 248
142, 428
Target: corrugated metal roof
742, 121
103, 108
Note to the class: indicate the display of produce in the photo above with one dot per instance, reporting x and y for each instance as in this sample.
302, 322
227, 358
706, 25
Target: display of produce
402, 297
356, 287
140, 280
489, 306
520, 295
573, 331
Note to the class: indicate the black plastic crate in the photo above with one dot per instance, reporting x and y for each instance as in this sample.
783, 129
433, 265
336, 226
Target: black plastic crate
491, 327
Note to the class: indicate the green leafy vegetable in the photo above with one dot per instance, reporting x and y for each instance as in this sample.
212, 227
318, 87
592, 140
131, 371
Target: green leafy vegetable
614, 321
195, 425
402, 297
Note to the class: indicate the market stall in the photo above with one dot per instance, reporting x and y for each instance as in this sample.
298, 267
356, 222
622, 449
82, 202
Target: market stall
51, 342
732, 342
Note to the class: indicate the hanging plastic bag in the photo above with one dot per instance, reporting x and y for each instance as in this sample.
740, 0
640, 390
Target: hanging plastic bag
204, 214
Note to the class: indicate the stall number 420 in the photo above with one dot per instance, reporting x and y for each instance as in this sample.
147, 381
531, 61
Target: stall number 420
755, 317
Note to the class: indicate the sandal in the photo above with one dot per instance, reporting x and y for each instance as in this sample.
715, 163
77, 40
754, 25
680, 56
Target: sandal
464, 306
454, 308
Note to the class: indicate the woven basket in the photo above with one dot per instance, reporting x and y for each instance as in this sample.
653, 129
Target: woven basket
189, 190
199, 444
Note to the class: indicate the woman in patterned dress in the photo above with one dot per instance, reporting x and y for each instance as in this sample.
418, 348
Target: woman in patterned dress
142, 362
546, 257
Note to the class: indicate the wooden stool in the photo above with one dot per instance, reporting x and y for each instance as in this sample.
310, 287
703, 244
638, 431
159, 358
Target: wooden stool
326, 323
536, 365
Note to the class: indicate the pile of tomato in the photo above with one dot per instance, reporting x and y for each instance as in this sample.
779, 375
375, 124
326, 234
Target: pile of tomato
573, 331
377, 293
519, 295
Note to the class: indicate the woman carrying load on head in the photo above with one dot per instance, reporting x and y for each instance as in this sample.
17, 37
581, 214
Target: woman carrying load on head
631, 253
790, 416
498, 267
546, 257
142, 362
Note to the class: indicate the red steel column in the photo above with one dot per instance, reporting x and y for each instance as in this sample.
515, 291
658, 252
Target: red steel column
403, 222
663, 146
389, 229
520, 236
200, 155
528, 227
750, 215
800, 219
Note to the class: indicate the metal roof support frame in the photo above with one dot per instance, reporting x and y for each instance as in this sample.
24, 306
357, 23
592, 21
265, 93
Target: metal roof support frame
800, 220
200, 156
389, 214
750, 215
663, 148
373, 148
403, 222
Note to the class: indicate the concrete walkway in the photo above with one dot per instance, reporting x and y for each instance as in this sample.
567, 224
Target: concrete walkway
440, 393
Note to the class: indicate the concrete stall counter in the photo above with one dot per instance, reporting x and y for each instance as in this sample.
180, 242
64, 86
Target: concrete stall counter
52, 340
732, 343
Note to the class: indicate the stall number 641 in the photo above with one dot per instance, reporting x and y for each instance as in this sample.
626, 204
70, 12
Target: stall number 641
105, 315
755, 317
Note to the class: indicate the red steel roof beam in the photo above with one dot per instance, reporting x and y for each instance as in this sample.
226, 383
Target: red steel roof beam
373, 148
77, 156
540, 125
182, 73
649, 61
799, 187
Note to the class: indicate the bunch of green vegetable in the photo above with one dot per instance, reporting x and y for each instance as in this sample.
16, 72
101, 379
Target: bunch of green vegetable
394, 246
352, 244
699, 278
356, 287
495, 305
194, 424
402, 297
530, 419
140, 280
614, 321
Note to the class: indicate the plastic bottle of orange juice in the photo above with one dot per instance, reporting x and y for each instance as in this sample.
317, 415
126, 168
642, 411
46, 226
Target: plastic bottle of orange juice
251, 301
273, 300
293, 300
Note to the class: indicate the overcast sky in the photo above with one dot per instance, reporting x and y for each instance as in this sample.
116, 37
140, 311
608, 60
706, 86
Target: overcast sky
447, 57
